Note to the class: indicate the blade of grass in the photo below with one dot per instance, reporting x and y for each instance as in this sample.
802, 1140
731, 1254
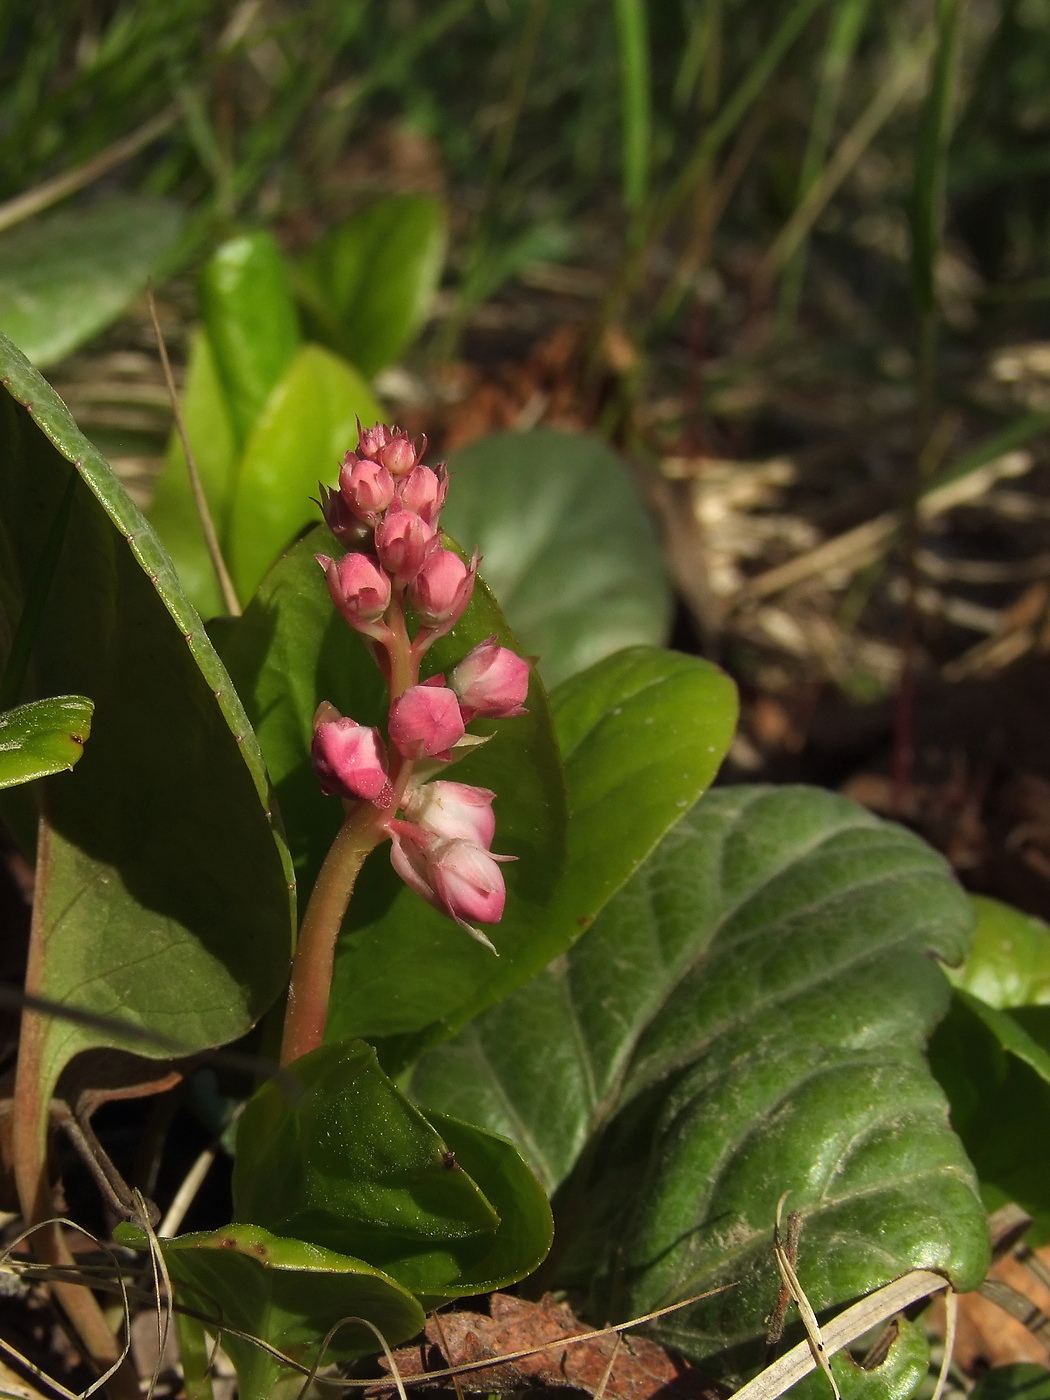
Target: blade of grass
632, 33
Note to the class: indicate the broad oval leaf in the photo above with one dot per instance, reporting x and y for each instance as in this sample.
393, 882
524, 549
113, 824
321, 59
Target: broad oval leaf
368, 284
566, 542
43, 737
66, 275
252, 1284
334, 1154
163, 886
746, 1017
300, 437
173, 511
251, 322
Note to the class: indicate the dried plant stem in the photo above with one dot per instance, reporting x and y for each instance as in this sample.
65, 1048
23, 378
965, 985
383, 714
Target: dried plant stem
308, 992
211, 540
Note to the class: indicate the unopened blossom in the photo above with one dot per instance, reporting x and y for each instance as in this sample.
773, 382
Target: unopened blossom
491, 682
403, 540
398, 455
425, 722
423, 490
360, 589
371, 441
350, 761
458, 877
340, 519
366, 486
441, 590
453, 811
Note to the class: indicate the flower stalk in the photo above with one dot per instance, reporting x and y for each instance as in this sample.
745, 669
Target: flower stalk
401, 589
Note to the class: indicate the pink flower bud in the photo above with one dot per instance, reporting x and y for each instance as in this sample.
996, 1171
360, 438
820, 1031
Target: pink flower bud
490, 681
359, 588
441, 590
458, 877
398, 455
403, 541
425, 722
350, 761
371, 441
453, 811
343, 524
366, 487
423, 491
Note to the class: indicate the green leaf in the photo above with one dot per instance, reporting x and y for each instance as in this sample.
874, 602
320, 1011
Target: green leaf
369, 283
746, 1017
995, 1079
1009, 963
162, 884
173, 513
341, 1159
66, 275
288, 1294
403, 964
566, 543
299, 438
1023, 1380
251, 321
43, 737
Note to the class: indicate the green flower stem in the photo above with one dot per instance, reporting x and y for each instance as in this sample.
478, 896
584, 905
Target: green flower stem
311, 982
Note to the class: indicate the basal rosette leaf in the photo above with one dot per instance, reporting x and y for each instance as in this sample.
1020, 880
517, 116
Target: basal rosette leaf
745, 1018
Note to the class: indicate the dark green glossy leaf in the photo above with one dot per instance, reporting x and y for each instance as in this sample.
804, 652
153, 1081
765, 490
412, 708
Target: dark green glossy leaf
566, 543
403, 965
1024, 1380
173, 512
1009, 963
340, 1158
897, 1377
251, 321
287, 1293
42, 738
162, 885
66, 275
746, 1017
369, 283
299, 437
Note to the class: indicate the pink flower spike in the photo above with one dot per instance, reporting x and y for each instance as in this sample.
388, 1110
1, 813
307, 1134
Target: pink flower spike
440, 592
423, 491
366, 487
425, 722
403, 541
454, 811
359, 588
490, 681
350, 761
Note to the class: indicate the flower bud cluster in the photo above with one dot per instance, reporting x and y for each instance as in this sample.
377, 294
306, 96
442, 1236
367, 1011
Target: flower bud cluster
386, 510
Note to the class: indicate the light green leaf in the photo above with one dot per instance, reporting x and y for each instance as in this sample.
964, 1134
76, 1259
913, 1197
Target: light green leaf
286, 1293
309, 422
42, 738
163, 888
66, 275
173, 513
251, 322
566, 542
746, 1017
369, 283
1009, 963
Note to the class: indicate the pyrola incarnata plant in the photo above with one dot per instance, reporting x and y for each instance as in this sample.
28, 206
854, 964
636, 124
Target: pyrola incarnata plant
398, 573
